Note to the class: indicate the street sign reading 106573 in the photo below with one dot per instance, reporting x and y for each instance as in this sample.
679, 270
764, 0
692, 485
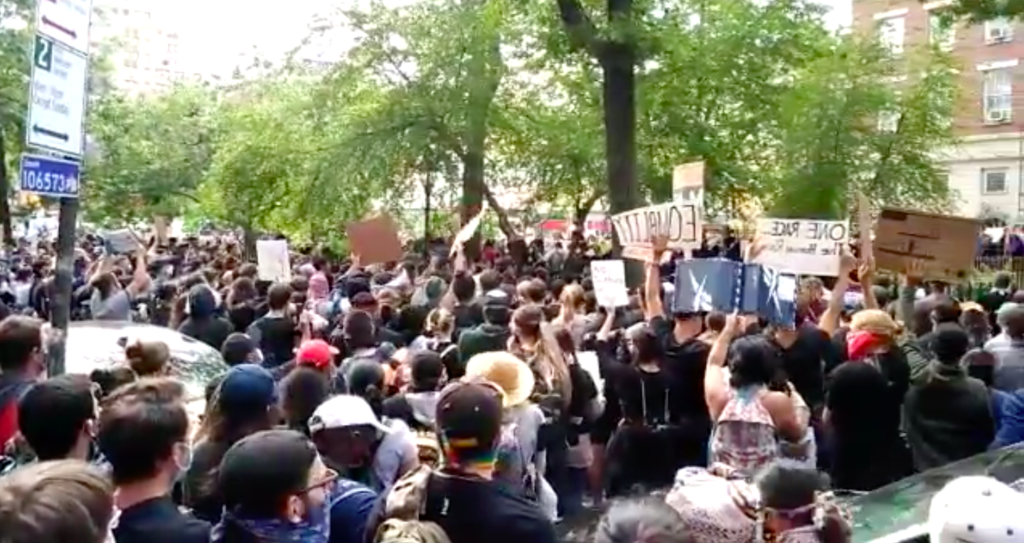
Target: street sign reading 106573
56, 107
49, 176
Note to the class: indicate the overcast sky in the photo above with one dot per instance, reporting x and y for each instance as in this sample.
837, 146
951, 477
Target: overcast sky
215, 33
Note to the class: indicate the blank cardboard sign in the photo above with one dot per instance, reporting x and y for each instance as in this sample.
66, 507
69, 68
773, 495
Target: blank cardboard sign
375, 240
945, 245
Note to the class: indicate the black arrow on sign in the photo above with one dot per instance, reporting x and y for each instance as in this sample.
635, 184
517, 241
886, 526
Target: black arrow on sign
52, 133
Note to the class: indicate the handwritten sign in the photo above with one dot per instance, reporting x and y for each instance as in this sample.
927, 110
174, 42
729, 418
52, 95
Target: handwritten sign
121, 242
375, 240
802, 246
688, 182
945, 245
272, 260
681, 221
609, 283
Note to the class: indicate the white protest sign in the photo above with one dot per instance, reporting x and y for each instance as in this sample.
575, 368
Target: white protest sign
121, 242
688, 182
609, 283
272, 260
681, 221
467, 232
802, 246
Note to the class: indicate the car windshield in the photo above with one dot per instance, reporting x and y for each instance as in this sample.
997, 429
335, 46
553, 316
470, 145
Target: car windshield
905, 503
99, 344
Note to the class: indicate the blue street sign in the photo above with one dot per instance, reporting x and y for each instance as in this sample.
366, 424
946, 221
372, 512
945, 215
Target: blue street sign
48, 176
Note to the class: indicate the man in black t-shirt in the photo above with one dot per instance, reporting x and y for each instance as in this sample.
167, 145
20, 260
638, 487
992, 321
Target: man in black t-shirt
463, 498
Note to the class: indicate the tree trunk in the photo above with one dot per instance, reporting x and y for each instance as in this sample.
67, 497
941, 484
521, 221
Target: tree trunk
503, 221
583, 209
5, 192
618, 59
484, 69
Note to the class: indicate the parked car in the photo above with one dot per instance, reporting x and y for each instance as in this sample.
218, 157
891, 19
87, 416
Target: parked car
100, 344
898, 513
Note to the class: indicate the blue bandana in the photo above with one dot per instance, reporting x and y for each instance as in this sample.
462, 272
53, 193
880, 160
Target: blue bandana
315, 529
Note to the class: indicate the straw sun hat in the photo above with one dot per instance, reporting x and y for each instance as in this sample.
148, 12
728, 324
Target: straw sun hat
504, 369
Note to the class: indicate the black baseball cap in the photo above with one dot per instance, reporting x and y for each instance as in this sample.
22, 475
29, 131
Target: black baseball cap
426, 368
237, 348
261, 470
469, 417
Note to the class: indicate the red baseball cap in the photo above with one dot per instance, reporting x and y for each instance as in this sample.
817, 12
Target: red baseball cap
315, 352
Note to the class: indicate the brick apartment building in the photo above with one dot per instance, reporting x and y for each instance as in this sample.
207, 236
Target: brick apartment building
987, 167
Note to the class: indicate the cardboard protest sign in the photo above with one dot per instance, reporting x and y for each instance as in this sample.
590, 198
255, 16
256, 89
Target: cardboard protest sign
375, 240
724, 285
681, 221
945, 245
802, 246
609, 278
688, 182
272, 260
466, 233
120, 242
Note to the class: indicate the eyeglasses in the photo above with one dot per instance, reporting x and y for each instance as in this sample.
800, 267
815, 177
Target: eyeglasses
327, 479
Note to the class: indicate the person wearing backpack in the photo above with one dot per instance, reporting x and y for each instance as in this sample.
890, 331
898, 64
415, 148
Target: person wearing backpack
461, 502
418, 405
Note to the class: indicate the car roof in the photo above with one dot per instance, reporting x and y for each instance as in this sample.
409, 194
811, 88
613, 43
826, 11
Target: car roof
99, 345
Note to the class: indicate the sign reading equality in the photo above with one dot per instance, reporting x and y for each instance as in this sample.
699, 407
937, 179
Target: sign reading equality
49, 176
65, 21
680, 221
56, 110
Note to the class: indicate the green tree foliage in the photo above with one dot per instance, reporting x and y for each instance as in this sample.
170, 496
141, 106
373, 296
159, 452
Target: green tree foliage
444, 103
15, 38
844, 132
152, 153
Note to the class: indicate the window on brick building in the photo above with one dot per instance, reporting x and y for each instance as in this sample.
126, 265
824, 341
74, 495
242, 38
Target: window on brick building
890, 34
998, 30
998, 95
993, 180
941, 32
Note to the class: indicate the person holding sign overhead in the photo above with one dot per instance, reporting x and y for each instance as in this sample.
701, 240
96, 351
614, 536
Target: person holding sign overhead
684, 357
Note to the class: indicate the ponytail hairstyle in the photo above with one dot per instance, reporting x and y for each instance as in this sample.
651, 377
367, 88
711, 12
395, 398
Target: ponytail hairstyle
544, 356
440, 323
367, 379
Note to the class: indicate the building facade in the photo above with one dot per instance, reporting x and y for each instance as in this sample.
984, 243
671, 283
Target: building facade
986, 169
144, 51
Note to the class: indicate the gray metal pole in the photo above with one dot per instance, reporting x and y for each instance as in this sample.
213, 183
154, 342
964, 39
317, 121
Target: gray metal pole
60, 303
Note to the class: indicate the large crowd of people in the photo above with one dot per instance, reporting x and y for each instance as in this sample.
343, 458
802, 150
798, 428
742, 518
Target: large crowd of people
449, 399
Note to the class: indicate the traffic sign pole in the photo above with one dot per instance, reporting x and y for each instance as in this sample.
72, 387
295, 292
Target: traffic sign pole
55, 123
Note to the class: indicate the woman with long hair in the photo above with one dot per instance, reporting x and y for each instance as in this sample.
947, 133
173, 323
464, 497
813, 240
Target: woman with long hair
244, 403
640, 423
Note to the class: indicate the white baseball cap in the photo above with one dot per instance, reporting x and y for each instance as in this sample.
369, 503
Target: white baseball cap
344, 411
976, 509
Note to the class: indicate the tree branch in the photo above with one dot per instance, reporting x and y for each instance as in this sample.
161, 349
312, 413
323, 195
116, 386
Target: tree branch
581, 30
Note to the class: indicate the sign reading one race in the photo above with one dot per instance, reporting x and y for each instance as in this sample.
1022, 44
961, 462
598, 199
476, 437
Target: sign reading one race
49, 176
56, 110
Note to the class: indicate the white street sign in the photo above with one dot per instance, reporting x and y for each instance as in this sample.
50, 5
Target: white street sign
56, 110
66, 21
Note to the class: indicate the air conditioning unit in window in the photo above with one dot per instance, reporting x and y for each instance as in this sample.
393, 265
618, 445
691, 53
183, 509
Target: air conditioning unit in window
999, 34
997, 116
